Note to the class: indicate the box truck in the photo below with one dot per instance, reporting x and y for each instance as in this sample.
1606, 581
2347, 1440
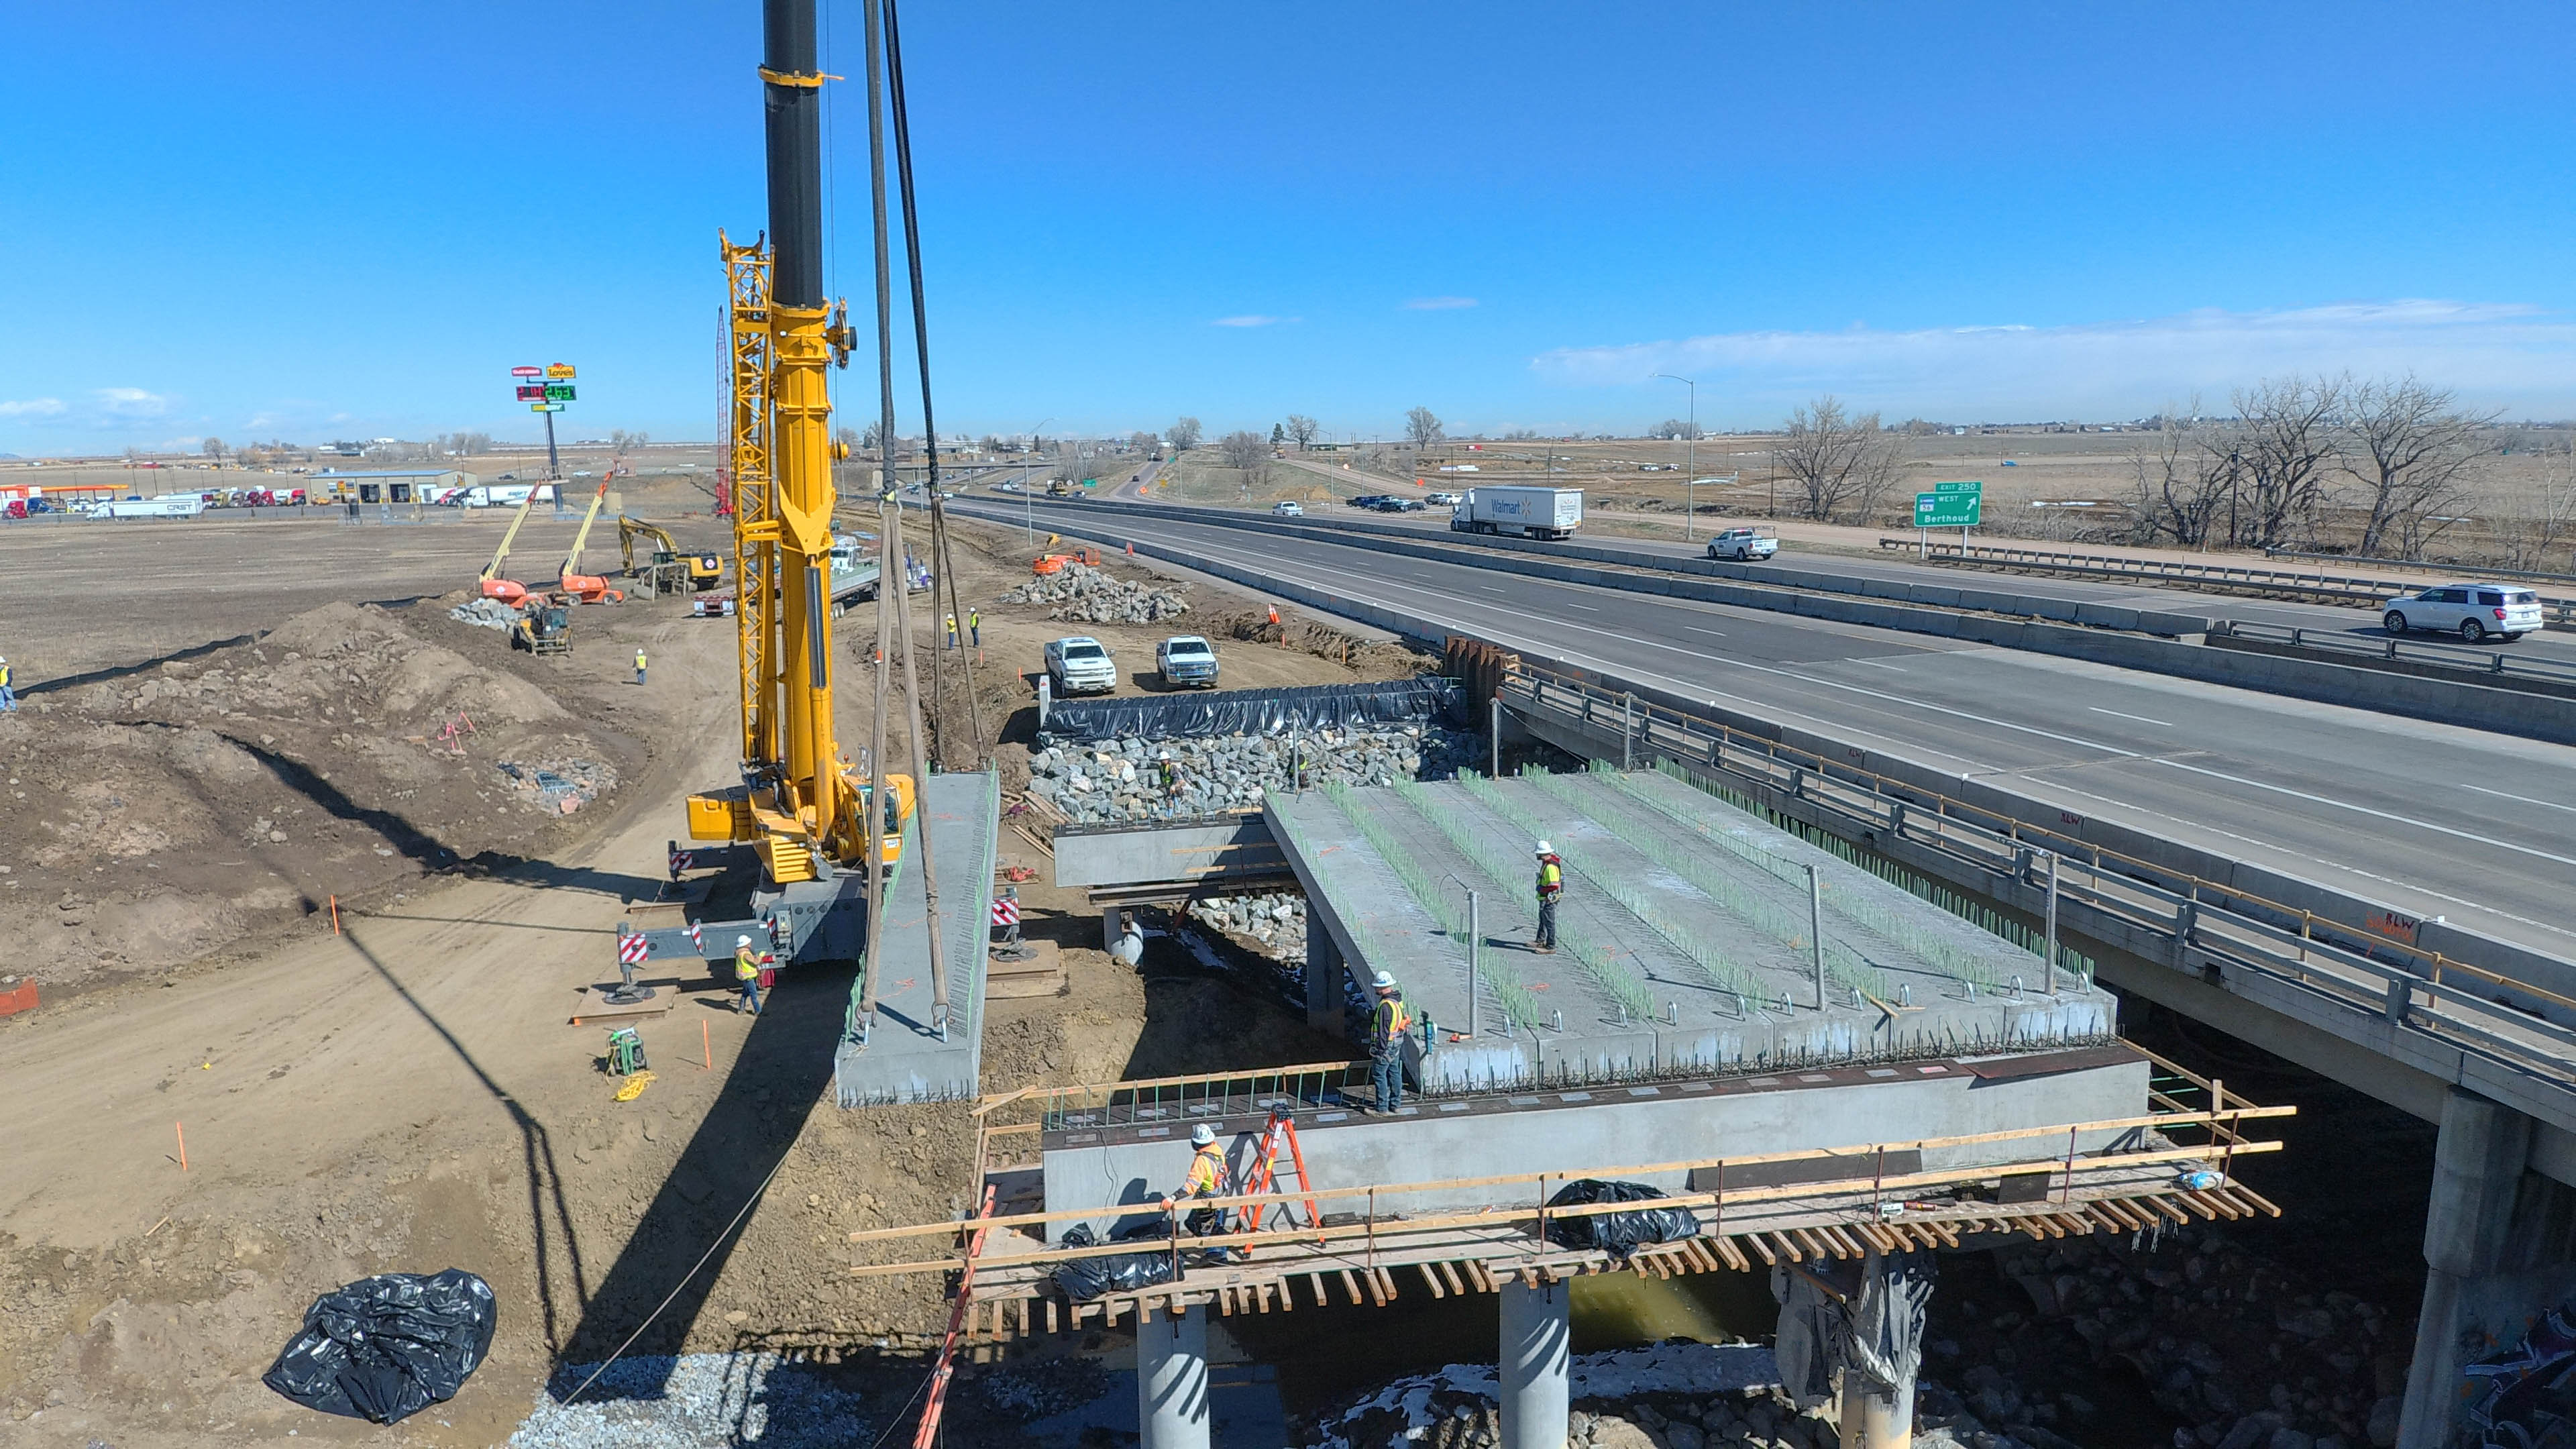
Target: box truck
1529, 512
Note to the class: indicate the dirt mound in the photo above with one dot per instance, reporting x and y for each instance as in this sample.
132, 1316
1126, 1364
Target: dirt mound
170, 810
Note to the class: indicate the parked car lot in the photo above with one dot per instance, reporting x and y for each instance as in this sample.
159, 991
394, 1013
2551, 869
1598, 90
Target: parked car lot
2475, 612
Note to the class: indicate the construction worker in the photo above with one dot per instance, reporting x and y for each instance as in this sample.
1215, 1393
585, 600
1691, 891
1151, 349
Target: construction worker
1208, 1177
952, 630
1169, 771
975, 626
639, 664
746, 972
1389, 1024
8, 694
1550, 886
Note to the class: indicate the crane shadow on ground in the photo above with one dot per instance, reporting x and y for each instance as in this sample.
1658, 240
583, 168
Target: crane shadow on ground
653, 1294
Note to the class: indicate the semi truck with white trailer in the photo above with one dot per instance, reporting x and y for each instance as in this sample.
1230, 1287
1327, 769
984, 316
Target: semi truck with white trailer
1527, 512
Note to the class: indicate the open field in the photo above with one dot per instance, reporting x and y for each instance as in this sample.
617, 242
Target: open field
406, 1094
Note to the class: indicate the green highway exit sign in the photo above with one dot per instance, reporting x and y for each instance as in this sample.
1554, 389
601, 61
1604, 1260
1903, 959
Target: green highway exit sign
1972, 486
1946, 510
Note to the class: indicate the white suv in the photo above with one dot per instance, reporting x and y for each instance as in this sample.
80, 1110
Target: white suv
1081, 665
2473, 611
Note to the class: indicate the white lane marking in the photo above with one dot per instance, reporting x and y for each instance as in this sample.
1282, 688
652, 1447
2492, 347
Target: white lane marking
1587, 608
2078, 740
2124, 714
1874, 664
1712, 633
2525, 799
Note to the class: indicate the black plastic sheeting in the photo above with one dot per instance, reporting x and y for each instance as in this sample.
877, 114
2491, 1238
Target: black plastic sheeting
1084, 1279
1871, 1328
1418, 700
1618, 1234
387, 1347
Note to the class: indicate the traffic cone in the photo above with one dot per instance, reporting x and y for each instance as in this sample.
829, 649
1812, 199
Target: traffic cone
1131, 548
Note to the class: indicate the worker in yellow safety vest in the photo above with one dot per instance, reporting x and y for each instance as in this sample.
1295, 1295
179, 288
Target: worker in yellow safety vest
746, 973
1550, 886
975, 626
639, 664
8, 693
1208, 1177
1390, 1023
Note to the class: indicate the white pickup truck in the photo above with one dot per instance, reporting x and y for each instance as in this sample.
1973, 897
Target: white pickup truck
1743, 544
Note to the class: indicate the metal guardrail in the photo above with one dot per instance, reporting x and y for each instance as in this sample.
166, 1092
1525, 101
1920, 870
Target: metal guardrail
2525, 575
2380, 976
2491, 664
2224, 578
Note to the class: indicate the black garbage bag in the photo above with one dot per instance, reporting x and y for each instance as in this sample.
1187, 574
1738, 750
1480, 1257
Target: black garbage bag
1083, 1279
387, 1347
1618, 1234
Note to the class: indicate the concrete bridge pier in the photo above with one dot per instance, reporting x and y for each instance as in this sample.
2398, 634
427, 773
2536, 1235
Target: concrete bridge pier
1323, 975
2497, 1251
1538, 1325
1172, 1381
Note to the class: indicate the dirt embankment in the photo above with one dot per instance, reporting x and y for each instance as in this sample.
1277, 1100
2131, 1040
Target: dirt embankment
177, 810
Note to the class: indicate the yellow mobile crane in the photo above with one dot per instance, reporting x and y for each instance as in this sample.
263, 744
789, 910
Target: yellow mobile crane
802, 806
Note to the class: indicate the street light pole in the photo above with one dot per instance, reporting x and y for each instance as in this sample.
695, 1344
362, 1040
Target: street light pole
1690, 469
1028, 501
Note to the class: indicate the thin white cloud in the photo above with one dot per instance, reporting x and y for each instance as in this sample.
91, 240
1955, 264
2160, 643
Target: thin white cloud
1250, 321
130, 402
34, 407
2510, 355
1438, 304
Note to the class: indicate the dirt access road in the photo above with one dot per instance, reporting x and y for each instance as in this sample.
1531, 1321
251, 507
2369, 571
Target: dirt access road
407, 1095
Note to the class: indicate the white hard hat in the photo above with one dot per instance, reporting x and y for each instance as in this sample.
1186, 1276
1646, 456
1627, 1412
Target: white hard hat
1383, 982
1167, 754
742, 940
1202, 1135
1545, 849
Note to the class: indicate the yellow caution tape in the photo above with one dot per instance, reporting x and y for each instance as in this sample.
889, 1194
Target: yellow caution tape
635, 1086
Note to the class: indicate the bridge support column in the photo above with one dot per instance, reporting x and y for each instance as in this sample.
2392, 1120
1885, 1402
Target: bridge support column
1323, 975
2496, 1252
1538, 1324
1172, 1381
1852, 1335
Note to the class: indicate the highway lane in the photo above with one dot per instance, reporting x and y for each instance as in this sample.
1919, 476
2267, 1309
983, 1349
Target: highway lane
2360, 623
2430, 819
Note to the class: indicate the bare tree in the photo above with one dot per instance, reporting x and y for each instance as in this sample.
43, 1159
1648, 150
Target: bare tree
1184, 434
1841, 462
1673, 428
2182, 470
1303, 429
2411, 449
1143, 442
1243, 449
1422, 426
2285, 448
213, 448
2537, 527
622, 441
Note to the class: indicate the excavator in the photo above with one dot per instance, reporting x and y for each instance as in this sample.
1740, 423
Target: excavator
666, 570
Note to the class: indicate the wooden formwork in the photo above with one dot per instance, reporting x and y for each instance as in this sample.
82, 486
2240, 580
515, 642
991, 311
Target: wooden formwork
1373, 1253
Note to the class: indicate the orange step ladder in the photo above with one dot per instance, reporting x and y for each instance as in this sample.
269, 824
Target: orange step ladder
1279, 1137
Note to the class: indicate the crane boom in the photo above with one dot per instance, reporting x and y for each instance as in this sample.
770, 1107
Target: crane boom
493, 585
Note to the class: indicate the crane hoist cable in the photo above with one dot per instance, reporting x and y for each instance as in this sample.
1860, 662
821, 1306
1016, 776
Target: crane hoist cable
894, 600
943, 557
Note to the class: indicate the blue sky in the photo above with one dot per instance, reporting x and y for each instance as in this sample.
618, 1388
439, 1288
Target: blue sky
314, 221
